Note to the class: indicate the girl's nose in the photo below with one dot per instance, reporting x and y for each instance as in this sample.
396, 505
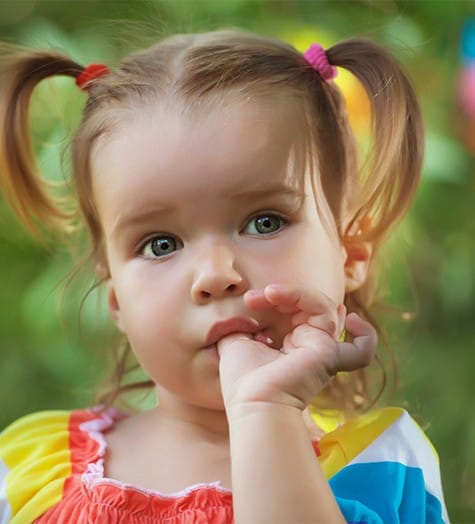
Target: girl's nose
216, 276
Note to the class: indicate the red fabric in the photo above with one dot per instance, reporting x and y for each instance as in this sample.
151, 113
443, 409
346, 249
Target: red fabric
104, 501
316, 448
110, 504
82, 447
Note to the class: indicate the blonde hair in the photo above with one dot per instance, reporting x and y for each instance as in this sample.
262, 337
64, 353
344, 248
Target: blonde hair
191, 67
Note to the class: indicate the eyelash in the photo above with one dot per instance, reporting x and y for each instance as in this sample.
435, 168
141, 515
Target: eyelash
176, 244
266, 215
170, 239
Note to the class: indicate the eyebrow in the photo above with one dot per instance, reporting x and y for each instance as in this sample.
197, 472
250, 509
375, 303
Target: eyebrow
128, 220
277, 190
159, 210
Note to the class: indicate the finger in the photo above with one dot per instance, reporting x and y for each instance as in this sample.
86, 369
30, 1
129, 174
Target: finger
306, 336
288, 300
332, 322
232, 340
323, 321
257, 300
360, 352
316, 309
360, 328
282, 298
341, 312
292, 300
304, 307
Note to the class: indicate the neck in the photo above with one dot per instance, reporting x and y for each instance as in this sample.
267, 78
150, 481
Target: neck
211, 424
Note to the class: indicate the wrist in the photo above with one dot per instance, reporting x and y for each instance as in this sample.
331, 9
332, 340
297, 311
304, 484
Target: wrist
257, 400
244, 412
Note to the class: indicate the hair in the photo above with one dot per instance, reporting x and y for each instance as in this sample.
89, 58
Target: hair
190, 68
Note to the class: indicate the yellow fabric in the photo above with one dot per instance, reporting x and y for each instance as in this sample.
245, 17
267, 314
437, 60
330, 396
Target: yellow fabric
328, 420
340, 446
35, 449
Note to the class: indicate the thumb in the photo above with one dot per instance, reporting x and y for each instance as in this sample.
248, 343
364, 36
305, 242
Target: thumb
231, 342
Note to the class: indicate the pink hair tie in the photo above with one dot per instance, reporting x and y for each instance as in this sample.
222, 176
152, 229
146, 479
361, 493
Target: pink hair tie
91, 73
317, 58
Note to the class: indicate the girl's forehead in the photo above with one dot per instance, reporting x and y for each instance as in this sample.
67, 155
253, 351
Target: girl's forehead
280, 115
162, 160
174, 141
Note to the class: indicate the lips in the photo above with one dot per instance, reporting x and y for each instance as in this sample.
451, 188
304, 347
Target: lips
230, 326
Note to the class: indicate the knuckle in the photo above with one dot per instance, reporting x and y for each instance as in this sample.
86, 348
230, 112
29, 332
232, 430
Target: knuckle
369, 354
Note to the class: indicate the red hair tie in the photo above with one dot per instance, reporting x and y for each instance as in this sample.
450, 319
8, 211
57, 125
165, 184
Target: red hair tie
317, 58
91, 73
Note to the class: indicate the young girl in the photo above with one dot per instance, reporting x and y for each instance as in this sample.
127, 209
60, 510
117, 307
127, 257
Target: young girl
235, 232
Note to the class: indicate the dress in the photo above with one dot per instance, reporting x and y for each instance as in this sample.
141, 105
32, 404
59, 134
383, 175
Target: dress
381, 468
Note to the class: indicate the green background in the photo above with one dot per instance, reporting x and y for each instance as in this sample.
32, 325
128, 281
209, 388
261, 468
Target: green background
52, 352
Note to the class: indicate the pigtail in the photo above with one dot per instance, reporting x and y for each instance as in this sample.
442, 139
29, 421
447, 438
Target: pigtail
381, 191
390, 176
30, 195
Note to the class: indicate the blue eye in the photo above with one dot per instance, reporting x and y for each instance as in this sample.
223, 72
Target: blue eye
264, 224
160, 246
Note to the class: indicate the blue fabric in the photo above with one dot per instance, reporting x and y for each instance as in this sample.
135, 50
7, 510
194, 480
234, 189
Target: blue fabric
385, 493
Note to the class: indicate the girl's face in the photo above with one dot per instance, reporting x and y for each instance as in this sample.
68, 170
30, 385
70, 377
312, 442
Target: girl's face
195, 211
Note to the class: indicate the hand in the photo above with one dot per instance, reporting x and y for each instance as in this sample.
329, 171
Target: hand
310, 354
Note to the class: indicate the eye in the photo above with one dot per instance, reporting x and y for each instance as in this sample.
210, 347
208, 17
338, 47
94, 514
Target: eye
264, 224
160, 246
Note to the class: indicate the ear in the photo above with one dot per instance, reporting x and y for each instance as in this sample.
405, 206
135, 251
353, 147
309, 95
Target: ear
114, 307
103, 272
357, 264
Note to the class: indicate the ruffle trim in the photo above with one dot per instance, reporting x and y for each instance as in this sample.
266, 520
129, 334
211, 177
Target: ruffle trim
94, 474
89, 495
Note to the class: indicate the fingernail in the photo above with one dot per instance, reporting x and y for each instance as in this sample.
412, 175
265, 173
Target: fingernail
260, 337
276, 287
341, 309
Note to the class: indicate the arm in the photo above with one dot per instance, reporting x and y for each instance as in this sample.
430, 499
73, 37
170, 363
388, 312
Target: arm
275, 474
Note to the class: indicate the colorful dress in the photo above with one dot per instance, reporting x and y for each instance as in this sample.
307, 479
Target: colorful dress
381, 468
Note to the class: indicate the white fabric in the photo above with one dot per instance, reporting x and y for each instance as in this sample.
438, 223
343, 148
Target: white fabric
5, 512
417, 452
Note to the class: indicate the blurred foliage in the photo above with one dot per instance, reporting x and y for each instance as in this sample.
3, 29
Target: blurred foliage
52, 350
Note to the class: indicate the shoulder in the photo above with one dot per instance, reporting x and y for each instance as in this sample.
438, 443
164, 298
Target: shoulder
38, 452
384, 460
383, 434
44, 434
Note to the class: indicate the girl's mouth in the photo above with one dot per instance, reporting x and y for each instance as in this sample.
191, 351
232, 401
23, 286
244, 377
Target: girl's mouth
236, 325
